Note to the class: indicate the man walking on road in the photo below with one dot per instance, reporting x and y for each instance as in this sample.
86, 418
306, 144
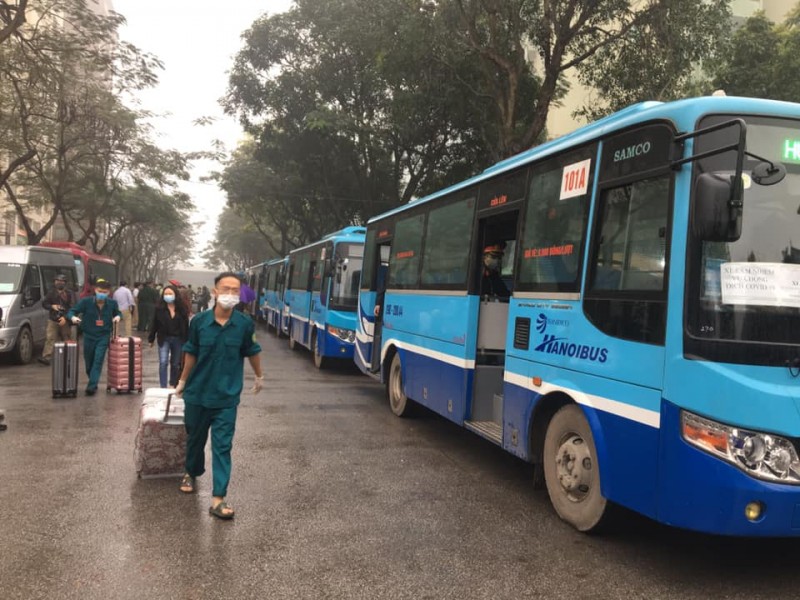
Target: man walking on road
211, 383
125, 303
97, 315
57, 302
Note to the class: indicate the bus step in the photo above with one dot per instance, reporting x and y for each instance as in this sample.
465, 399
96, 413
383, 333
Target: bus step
489, 429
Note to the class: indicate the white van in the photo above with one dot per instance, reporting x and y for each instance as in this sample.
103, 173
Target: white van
26, 273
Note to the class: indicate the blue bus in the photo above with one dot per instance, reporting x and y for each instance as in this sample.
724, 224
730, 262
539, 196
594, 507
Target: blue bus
619, 307
322, 294
272, 305
255, 277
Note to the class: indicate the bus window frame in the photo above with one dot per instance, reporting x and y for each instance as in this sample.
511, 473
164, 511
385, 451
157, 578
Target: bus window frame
558, 289
471, 193
590, 295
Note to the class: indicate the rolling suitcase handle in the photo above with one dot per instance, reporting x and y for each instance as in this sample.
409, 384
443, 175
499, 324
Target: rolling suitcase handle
166, 412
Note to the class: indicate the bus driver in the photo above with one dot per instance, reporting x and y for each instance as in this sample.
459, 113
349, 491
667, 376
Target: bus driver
491, 283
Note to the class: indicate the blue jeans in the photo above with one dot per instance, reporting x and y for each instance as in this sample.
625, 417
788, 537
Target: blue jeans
169, 354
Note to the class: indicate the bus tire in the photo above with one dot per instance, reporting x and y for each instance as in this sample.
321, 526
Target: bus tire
23, 349
571, 472
319, 360
398, 401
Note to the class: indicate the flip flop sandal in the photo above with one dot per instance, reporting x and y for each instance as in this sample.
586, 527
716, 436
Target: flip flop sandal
187, 482
217, 511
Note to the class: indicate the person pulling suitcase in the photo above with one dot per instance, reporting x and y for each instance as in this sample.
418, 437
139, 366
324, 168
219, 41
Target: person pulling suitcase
96, 315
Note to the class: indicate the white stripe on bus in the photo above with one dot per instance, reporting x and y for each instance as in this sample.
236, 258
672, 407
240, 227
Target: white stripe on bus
644, 416
440, 356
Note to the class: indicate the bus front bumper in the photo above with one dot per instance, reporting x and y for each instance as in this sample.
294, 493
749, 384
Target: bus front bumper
702, 492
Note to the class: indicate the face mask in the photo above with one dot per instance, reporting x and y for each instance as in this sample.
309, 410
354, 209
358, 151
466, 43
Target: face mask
228, 301
60, 286
169, 299
492, 264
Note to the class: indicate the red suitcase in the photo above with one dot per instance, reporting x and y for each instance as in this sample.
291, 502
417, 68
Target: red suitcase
125, 365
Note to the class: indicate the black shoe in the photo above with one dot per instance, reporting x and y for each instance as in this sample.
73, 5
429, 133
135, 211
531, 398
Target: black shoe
90, 391
44, 361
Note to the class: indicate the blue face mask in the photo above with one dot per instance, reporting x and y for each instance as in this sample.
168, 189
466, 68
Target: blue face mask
101, 295
169, 299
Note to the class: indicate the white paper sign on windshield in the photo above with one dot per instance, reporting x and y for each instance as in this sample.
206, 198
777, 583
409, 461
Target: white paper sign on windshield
760, 284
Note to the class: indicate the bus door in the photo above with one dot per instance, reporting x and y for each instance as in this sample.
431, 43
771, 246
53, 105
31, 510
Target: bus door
494, 250
312, 311
381, 277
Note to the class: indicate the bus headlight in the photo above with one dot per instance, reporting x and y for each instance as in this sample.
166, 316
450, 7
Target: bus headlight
762, 455
346, 335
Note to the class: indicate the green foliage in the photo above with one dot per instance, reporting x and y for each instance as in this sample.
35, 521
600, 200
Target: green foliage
63, 78
763, 59
351, 113
659, 58
148, 231
237, 245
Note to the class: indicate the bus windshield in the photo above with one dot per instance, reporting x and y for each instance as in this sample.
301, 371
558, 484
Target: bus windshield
10, 277
749, 290
347, 264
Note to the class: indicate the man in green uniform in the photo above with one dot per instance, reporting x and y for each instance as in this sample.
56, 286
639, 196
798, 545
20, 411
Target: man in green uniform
147, 298
211, 383
95, 314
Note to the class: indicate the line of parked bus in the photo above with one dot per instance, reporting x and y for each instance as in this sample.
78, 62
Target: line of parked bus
311, 295
649, 353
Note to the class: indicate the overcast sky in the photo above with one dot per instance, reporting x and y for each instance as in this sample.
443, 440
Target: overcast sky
196, 40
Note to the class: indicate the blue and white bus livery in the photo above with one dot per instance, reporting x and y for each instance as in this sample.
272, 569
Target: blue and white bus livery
649, 355
322, 294
273, 307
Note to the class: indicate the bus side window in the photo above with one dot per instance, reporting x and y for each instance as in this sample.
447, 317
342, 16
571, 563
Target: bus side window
626, 294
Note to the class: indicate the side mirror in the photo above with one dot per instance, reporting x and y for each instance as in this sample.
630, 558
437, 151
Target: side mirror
717, 214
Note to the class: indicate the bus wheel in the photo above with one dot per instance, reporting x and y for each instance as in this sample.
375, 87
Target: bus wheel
319, 360
571, 471
23, 350
398, 402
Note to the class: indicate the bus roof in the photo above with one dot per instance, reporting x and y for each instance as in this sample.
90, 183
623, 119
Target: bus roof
348, 234
684, 113
77, 249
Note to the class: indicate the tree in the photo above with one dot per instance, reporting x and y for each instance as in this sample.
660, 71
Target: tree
762, 59
236, 245
12, 16
63, 123
563, 34
660, 58
148, 232
350, 115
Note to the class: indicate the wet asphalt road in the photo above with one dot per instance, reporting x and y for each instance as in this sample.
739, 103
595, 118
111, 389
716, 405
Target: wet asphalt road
335, 498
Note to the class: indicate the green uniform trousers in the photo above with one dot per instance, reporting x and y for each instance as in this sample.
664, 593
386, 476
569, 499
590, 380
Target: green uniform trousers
94, 354
222, 422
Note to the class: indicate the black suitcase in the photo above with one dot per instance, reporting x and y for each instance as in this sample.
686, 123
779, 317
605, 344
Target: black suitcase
65, 369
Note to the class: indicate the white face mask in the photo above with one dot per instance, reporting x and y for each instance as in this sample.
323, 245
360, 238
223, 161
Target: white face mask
228, 301
493, 264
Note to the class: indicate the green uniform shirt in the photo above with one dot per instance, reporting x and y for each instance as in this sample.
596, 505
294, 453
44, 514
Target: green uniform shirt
217, 378
95, 322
